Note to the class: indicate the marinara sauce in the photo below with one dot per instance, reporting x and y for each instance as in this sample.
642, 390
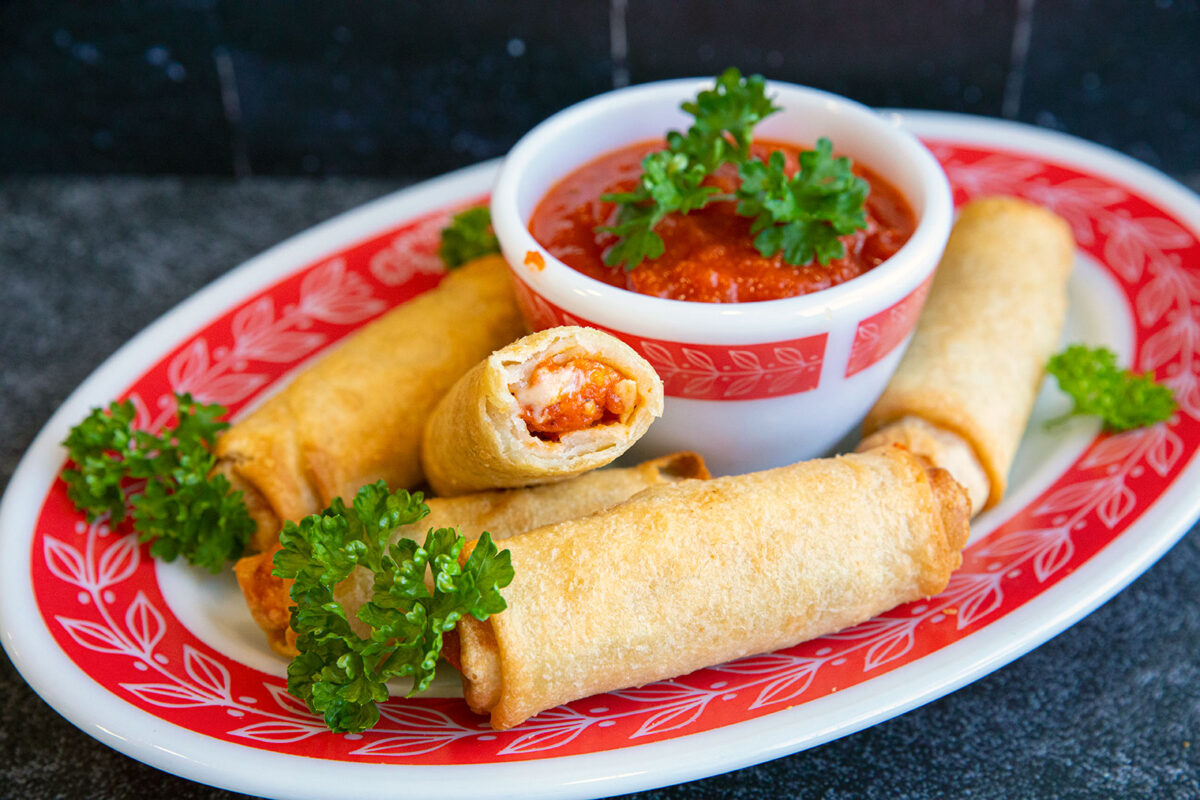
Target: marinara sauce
710, 255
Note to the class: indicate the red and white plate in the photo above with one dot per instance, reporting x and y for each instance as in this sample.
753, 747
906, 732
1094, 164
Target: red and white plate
163, 663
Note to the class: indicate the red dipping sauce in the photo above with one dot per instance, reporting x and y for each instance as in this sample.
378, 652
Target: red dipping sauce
710, 255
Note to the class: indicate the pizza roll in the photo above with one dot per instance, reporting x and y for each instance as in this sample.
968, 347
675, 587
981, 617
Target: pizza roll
549, 406
992, 320
502, 513
696, 573
357, 414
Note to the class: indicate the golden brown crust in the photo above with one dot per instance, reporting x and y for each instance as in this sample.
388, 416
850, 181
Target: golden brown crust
476, 440
942, 448
694, 573
503, 513
993, 318
267, 598
356, 415
954, 507
479, 664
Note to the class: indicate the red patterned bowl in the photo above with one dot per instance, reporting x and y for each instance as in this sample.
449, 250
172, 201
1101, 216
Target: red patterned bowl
749, 385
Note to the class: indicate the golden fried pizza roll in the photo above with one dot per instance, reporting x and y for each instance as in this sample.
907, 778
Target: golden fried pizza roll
357, 414
941, 448
549, 406
993, 318
696, 573
502, 513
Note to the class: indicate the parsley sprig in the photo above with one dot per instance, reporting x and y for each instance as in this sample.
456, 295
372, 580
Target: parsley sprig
182, 508
468, 236
342, 675
802, 216
1122, 398
672, 180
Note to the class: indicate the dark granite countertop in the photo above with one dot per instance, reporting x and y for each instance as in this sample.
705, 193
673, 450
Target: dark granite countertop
1109, 708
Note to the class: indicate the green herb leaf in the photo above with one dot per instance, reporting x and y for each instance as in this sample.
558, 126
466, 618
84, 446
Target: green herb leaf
1122, 398
182, 509
341, 675
803, 215
672, 179
468, 236
732, 108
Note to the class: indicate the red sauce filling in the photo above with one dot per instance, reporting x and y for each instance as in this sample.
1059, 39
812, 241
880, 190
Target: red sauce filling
710, 255
594, 398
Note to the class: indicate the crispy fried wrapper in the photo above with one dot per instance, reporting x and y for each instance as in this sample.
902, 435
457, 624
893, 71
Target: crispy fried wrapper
993, 318
697, 573
503, 513
550, 406
356, 415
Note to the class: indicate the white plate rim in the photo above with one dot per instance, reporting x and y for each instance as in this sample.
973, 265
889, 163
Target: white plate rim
201, 758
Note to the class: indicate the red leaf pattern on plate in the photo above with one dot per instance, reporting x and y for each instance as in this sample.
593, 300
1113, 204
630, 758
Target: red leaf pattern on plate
105, 612
790, 685
994, 174
230, 389
144, 623
1119, 502
330, 294
552, 730
1112, 448
1070, 497
118, 561
93, 635
978, 596
65, 562
1015, 544
168, 695
258, 335
673, 718
290, 704
765, 664
1180, 335
406, 745
1076, 201
1157, 297
1053, 557
206, 671
188, 369
410, 255
890, 647
1165, 451
278, 731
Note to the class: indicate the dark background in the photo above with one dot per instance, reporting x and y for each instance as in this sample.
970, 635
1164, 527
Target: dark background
275, 87
148, 147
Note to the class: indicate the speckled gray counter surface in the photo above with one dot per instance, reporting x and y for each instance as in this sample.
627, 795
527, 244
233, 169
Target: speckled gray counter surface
1109, 708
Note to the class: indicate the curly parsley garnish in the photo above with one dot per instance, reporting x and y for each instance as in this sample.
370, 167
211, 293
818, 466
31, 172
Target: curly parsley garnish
468, 236
342, 675
801, 216
182, 509
1122, 398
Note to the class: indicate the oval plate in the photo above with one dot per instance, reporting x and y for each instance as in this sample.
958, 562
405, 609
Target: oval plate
162, 663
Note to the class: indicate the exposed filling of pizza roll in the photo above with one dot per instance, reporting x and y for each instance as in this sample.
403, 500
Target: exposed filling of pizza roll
564, 396
549, 406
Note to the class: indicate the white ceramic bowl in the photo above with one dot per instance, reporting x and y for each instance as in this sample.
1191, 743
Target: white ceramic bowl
749, 385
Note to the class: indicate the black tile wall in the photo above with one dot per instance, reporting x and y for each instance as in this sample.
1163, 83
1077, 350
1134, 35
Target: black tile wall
1124, 74
110, 87
405, 88
228, 87
943, 54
